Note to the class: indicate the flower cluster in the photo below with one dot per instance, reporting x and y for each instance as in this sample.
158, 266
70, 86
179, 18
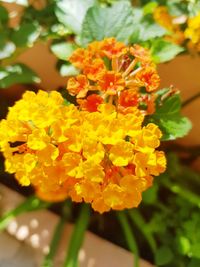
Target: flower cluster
192, 31
170, 23
126, 76
98, 152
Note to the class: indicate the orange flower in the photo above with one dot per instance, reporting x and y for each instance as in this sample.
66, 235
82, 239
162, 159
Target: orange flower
91, 103
111, 48
78, 57
93, 68
111, 82
148, 78
141, 54
128, 98
78, 86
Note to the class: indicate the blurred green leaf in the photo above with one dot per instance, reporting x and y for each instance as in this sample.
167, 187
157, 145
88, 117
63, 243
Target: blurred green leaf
149, 8
183, 245
194, 263
6, 47
26, 34
72, 13
150, 195
17, 73
6, 50
63, 50
195, 250
163, 51
115, 21
67, 69
145, 31
163, 256
3, 15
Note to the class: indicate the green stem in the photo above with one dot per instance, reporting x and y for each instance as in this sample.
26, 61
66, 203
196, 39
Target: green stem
184, 193
30, 204
66, 212
191, 99
77, 237
137, 218
130, 239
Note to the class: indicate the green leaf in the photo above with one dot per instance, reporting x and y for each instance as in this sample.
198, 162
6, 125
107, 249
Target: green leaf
163, 51
26, 34
163, 256
115, 21
146, 31
6, 47
183, 245
194, 263
3, 15
195, 250
169, 107
168, 117
67, 69
6, 50
17, 73
150, 195
63, 50
72, 13
174, 128
149, 8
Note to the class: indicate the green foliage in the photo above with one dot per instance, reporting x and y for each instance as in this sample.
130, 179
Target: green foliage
146, 30
67, 69
3, 15
26, 34
163, 51
115, 21
7, 48
163, 255
150, 195
72, 13
173, 220
63, 50
17, 73
168, 117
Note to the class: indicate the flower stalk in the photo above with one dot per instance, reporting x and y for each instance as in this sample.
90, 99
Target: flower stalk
77, 237
66, 212
137, 219
129, 236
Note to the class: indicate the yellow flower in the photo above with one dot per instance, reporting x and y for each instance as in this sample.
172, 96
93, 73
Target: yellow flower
121, 153
93, 172
192, 31
101, 155
93, 150
38, 139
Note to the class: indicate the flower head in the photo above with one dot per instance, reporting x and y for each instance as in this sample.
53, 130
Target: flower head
115, 73
192, 32
98, 152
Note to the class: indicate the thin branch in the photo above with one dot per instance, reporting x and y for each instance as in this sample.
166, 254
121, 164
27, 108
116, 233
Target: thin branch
190, 100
